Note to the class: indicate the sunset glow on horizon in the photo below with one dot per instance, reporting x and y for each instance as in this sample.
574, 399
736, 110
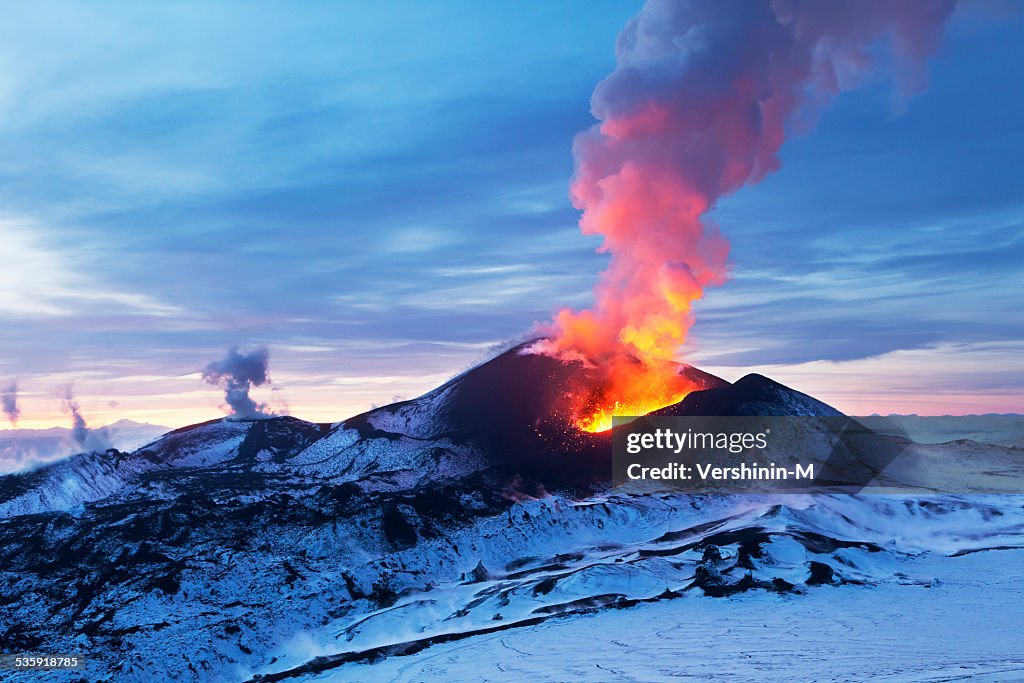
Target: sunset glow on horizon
172, 191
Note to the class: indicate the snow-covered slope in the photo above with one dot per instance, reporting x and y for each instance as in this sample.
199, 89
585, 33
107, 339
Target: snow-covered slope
962, 625
290, 550
231, 445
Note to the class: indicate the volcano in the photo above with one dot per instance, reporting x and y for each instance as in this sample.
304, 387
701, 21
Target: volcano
223, 549
509, 419
516, 393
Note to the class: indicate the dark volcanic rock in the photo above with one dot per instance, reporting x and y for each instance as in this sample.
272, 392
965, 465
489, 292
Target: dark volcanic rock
752, 395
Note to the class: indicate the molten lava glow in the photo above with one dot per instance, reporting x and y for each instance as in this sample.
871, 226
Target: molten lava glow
698, 107
627, 387
599, 418
596, 416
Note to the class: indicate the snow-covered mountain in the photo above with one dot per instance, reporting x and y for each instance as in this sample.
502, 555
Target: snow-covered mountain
287, 550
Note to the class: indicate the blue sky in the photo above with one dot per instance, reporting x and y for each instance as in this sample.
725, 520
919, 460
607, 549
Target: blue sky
378, 193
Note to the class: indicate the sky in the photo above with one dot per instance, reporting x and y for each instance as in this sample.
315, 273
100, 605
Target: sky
378, 194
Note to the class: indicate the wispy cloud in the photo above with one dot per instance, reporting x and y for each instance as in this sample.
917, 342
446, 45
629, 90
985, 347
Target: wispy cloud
41, 280
169, 190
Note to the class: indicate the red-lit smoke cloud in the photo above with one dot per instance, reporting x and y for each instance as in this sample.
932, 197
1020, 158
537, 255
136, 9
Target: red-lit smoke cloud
703, 97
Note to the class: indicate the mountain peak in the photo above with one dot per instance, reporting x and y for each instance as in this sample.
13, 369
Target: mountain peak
752, 394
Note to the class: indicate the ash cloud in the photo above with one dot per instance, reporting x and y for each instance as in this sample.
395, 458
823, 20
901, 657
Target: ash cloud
9, 403
704, 96
702, 99
236, 374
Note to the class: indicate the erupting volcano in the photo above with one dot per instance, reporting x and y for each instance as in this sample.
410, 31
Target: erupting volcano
628, 386
699, 105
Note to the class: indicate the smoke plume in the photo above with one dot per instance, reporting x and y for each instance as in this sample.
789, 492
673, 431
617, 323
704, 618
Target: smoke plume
699, 105
237, 373
9, 403
81, 434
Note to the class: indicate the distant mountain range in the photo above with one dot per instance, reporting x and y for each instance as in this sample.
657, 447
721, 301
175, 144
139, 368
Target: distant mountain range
22, 449
1006, 430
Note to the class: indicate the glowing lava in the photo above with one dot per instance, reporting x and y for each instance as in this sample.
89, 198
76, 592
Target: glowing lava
600, 420
627, 387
